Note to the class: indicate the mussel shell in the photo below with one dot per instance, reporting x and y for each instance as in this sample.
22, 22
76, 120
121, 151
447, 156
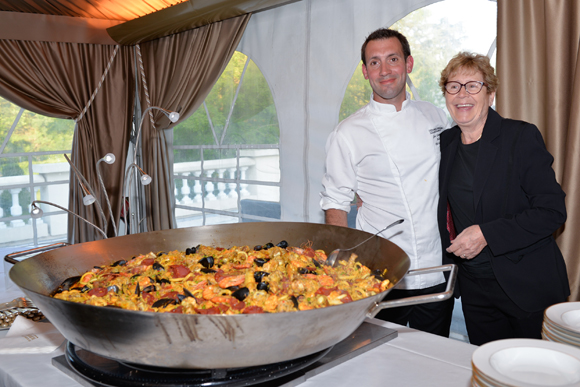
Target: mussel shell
137, 290
282, 244
161, 253
206, 262
268, 245
186, 292
263, 286
303, 270
157, 266
120, 262
190, 250
67, 283
241, 293
208, 271
162, 280
294, 301
316, 263
114, 288
85, 289
377, 274
260, 261
258, 247
149, 289
163, 302
258, 275
233, 288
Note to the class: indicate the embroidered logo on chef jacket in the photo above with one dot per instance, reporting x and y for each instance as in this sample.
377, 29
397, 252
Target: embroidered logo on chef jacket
436, 133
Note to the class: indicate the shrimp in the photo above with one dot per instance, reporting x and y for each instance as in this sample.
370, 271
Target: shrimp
234, 280
211, 292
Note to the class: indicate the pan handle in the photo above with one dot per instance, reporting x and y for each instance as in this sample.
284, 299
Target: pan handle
416, 300
37, 250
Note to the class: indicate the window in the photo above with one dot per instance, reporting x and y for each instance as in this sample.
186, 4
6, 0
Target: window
436, 33
32, 167
226, 154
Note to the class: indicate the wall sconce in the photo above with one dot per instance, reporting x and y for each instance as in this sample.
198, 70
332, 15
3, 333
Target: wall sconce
36, 212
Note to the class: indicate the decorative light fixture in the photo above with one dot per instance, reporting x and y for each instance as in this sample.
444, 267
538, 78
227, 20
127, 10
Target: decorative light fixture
36, 212
89, 197
144, 178
109, 158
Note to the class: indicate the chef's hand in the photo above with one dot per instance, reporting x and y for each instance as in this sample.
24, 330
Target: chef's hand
469, 243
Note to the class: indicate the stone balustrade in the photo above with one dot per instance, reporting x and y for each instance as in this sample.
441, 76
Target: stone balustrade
216, 185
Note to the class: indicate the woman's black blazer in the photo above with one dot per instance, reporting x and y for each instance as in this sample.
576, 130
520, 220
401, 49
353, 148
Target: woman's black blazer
518, 205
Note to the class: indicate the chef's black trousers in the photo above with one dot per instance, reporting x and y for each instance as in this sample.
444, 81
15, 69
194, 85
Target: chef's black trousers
491, 315
433, 317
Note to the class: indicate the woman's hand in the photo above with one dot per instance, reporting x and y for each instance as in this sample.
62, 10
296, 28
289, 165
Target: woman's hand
469, 243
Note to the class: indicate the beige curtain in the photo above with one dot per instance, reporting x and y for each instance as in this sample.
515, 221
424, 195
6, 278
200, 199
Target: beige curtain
180, 71
57, 80
538, 65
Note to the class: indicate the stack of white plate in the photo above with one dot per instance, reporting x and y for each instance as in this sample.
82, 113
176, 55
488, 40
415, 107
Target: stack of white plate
525, 363
562, 323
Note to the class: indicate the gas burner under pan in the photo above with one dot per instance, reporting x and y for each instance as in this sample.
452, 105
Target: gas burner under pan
92, 370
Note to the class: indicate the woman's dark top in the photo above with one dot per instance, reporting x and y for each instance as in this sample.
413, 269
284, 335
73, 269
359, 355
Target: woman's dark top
462, 205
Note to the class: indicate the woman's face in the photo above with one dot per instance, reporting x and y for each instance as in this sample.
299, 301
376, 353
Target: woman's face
469, 111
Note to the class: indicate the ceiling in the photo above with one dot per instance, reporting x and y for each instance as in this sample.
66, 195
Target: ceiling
116, 21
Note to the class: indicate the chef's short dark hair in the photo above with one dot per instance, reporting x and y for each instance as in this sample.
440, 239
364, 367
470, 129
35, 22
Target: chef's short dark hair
386, 33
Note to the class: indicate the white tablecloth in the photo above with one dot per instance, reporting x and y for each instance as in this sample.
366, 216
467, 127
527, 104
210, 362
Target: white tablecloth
413, 359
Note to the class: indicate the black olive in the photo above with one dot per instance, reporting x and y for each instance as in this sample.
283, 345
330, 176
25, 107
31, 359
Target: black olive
258, 247
241, 293
137, 290
161, 253
263, 286
294, 301
69, 282
206, 262
208, 271
282, 244
260, 261
114, 288
258, 275
190, 250
120, 262
187, 293
268, 246
149, 289
157, 266
163, 302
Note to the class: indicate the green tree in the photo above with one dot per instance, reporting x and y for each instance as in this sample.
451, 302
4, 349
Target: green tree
252, 121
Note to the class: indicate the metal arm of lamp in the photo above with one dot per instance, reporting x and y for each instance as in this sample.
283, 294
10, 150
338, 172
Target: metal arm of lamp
145, 178
109, 158
88, 189
36, 212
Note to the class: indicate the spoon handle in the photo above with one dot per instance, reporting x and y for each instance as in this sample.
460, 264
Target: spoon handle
369, 238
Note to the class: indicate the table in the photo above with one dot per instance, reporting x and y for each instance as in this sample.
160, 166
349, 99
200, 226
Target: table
413, 359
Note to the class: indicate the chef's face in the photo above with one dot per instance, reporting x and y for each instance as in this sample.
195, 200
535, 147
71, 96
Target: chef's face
469, 111
386, 70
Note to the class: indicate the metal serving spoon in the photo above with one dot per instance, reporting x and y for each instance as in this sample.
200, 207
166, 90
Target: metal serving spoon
341, 253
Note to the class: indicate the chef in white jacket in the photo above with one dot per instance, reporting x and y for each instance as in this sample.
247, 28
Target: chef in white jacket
388, 153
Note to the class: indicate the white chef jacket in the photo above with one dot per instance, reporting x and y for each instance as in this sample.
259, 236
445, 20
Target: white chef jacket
391, 160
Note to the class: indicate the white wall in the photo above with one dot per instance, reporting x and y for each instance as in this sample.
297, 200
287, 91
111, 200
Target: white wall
308, 51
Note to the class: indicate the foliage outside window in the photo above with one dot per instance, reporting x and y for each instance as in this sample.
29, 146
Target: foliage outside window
32, 167
222, 150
